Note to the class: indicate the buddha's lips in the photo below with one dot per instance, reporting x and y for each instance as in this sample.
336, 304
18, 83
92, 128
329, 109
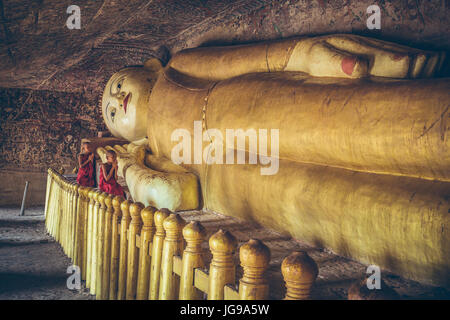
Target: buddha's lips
125, 102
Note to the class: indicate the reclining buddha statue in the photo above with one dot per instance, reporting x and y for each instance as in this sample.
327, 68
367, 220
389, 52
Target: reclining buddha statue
351, 150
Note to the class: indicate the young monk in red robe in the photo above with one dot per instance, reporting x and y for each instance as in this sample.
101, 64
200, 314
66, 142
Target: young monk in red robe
86, 172
108, 175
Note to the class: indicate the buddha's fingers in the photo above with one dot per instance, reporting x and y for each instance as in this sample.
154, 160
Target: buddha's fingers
321, 59
101, 152
431, 65
119, 149
442, 56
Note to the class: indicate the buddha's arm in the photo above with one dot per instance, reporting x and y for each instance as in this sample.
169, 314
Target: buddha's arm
172, 188
345, 56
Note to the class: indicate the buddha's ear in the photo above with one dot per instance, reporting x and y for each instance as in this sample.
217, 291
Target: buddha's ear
153, 65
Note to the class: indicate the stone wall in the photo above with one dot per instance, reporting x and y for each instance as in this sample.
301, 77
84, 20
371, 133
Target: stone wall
41, 129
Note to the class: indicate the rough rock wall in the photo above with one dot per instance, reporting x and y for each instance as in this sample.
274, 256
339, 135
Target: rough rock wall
39, 129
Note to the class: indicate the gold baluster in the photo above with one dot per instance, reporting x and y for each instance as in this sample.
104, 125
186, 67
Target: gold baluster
222, 270
157, 247
133, 253
95, 219
51, 201
147, 233
85, 206
194, 234
255, 257
299, 272
173, 245
126, 218
107, 236
58, 209
79, 230
89, 234
63, 233
54, 207
68, 218
47, 196
100, 242
68, 197
73, 235
115, 247
68, 204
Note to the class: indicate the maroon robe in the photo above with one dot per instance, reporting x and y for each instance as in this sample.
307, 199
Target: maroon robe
86, 174
111, 186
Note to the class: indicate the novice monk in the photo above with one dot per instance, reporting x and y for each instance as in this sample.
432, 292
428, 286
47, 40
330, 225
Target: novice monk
108, 175
86, 172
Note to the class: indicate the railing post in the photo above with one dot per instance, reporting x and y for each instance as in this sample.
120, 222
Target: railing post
79, 237
107, 247
69, 238
61, 203
58, 208
65, 214
299, 272
115, 247
194, 234
173, 245
68, 217
47, 196
51, 197
85, 208
147, 233
95, 218
255, 257
100, 242
67, 207
72, 218
75, 217
89, 234
222, 270
133, 250
126, 218
59, 230
157, 247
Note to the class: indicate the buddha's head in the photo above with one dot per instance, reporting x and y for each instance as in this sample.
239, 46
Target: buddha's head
125, 100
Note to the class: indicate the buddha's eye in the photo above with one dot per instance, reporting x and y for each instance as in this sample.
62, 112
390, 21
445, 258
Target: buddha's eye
119, 85
116, 87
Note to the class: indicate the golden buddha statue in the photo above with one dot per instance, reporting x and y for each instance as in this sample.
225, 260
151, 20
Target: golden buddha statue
357, 158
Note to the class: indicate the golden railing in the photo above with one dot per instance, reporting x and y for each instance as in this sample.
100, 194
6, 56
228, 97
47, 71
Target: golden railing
126, 251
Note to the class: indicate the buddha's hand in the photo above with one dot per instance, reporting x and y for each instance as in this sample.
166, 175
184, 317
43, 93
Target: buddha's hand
351, 56
155, 182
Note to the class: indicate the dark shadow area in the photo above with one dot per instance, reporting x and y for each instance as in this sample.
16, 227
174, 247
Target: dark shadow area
17, 282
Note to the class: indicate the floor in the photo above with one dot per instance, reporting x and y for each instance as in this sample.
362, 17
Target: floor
33, 266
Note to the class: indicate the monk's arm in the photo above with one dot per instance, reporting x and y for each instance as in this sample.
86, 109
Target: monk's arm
82, 164
109, 175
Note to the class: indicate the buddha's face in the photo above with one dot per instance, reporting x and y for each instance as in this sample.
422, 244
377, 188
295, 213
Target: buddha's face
124, 102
